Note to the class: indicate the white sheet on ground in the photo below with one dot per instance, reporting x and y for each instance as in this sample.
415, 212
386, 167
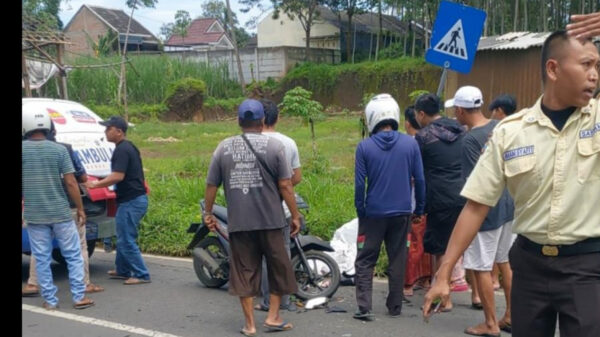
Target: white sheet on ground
344, 244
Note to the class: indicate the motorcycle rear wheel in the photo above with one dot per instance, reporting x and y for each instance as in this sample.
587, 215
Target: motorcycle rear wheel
326, 271
214, 247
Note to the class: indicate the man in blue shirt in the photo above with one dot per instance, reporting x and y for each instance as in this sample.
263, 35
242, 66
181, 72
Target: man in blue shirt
386, 162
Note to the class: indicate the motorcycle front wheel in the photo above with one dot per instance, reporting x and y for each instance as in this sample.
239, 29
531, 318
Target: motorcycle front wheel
214, 247
326, 275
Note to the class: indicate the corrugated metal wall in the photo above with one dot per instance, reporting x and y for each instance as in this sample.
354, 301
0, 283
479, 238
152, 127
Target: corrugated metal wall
495, 72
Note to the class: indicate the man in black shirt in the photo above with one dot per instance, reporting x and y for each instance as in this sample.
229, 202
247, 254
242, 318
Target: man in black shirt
128, 175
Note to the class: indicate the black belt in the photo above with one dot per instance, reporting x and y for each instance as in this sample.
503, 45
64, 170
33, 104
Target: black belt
586, 246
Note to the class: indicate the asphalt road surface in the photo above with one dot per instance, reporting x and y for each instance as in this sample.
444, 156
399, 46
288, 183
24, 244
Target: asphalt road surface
177, 304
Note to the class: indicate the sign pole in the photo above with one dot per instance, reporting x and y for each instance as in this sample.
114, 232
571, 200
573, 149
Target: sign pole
443, 79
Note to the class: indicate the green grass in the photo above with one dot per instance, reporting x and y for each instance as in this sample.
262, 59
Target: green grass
176, 173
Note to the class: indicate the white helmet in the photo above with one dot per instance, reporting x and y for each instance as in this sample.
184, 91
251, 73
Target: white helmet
380, 108
34, 119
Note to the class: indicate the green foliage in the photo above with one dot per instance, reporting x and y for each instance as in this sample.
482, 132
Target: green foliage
182, 23
227, 105
185, 97
415, 94
148, 83
394, 50
298, 102
323, 78
137, 112
185, 86
366, 98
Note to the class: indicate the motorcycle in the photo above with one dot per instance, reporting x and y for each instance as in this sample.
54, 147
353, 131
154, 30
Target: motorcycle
317, 274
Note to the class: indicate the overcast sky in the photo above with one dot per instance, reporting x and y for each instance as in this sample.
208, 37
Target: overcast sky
164, 11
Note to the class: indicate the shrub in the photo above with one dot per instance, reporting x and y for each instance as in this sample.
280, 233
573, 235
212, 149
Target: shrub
298, 102
185, 97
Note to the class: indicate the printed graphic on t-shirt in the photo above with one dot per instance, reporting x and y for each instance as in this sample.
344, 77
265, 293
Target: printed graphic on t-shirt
246, 172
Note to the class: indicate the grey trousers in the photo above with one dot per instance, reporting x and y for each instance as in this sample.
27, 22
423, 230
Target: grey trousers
264, 282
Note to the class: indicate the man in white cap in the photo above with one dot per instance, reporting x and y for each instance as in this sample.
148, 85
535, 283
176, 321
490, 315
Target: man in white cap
493, 241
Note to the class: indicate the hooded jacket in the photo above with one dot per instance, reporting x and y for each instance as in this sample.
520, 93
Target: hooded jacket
385, 165
441, 149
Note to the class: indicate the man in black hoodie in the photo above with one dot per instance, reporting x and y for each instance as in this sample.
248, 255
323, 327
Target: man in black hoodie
440, 141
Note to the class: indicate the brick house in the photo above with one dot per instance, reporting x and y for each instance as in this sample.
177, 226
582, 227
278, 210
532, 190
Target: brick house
90, 23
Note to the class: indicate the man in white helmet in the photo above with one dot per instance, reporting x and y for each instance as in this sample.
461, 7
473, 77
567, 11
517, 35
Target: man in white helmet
386, 162
46, 207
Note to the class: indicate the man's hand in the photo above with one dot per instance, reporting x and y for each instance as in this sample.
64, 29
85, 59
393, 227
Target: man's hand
416, 218
81, 218
295, 226
440, 290
90, 184
210, 222
584, 26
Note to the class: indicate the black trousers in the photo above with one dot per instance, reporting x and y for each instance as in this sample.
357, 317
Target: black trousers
371, 233
544, 288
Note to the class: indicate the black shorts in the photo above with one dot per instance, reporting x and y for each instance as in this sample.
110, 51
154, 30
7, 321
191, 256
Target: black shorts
247, 251
439, 228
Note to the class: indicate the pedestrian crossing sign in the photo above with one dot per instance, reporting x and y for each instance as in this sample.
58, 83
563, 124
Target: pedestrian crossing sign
455, 36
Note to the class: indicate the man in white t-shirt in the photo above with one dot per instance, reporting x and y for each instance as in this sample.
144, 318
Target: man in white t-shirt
291, 154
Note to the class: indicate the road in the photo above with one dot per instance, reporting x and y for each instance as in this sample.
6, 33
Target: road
177, 304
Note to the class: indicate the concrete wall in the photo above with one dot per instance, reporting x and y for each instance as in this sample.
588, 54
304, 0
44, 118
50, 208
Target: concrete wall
84, 25
261, 63
286, 32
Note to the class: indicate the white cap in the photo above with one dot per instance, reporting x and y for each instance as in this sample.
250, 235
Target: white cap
466, 97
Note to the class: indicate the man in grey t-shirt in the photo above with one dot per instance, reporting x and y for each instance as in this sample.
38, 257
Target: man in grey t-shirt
255, 175
293, 158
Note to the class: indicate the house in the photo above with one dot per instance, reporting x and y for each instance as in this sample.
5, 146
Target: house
91, 23
328, 32
508, 63
202, 34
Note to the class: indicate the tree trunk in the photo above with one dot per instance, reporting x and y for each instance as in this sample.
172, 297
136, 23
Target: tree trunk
502, 10
122, 91
525, 24
380, 33
544, 16
235, 46
516, 14
312, 135
307, 51
348, 36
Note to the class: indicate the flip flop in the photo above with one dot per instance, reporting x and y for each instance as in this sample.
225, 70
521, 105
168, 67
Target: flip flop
84, 303
113, 275
134, 280
476, 306
285, 326
247, 333
93, 288
261, 307
483, 334
506, 327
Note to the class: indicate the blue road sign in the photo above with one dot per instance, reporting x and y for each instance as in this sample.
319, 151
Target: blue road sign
455, 37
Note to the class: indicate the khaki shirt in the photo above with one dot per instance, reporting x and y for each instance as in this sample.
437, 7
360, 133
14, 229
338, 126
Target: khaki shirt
553, 177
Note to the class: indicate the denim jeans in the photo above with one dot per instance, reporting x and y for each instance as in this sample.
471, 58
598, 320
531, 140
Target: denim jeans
40, 239
129, 260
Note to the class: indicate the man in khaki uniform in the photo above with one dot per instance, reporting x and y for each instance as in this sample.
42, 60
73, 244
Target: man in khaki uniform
549, 158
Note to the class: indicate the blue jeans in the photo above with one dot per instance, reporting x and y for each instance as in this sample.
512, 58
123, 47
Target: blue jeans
40, 239
129, 260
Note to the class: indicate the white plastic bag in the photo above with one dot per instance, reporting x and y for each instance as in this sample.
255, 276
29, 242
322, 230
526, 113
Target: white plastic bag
344, 244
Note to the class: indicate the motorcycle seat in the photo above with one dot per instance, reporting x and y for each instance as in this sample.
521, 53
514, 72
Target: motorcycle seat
220, 212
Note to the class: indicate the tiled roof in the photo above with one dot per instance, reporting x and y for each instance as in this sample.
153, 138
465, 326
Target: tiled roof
197, 34
119, 20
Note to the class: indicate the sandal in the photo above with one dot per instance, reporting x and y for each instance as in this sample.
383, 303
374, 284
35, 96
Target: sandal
84, 303
284, 326
261, 307
93, 288
134, 280
49, 307
476, 306
113, 274
30, 290
505, 326
247, 333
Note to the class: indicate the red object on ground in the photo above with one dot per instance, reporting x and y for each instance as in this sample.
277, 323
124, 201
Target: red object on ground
418, 264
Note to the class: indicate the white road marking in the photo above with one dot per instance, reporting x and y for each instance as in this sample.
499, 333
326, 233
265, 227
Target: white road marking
98, 322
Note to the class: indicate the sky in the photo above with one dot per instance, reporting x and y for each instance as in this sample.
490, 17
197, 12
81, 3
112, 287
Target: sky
164, 11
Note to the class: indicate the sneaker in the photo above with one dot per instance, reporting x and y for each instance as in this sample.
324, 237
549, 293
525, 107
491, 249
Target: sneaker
364, 316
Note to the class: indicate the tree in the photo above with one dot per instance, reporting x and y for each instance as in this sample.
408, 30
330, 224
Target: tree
182, 23
306, 11
133, 4
44, 10
235, 47
166, 30
218, 10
